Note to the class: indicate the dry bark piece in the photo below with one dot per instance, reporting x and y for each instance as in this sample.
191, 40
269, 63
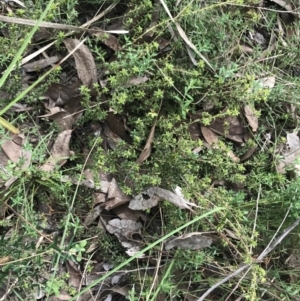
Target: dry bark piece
60, 152
150, 198
190, 241
84, 60
251, 117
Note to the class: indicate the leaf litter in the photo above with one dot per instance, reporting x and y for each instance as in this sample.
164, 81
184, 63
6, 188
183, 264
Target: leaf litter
130, 219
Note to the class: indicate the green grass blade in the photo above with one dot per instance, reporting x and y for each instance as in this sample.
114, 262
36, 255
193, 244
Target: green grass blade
24, 45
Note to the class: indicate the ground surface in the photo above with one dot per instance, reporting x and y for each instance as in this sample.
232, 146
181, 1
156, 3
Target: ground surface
149, 150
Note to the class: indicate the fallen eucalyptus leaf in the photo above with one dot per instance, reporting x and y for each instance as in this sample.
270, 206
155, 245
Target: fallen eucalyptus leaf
190, 241
150, 198
84, 60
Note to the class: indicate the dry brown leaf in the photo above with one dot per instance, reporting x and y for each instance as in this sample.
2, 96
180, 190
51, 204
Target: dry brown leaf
63, 118
115, 196
267, 82
41, 34
251, 117
290, 154
110, 137
229, 127
117, 124
136, 81
74, 273
89, 181
107, 39
99, 198
234, 158
245, 49
148, 146
212, 140
124, 230
73, 105
209, 136
123, 212
194, 130
248, 153
231, 234
190, 241
41, 64
60, 152
285, 4
92, 215
150, 198
13, 148
84, 60
60, 92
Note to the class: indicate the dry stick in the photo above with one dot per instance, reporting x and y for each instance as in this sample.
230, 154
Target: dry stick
44, 24
272, 244
238, 283
184, 36
256, 213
